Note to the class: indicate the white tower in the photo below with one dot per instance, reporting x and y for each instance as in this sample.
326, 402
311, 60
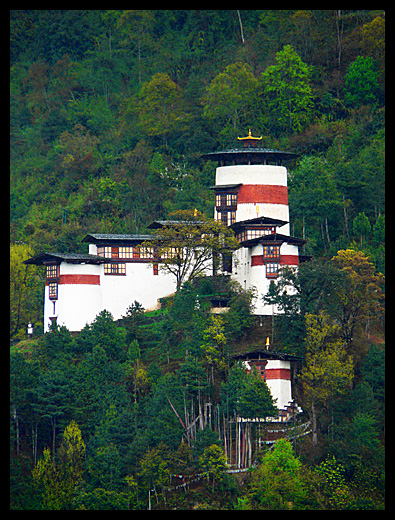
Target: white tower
251, 196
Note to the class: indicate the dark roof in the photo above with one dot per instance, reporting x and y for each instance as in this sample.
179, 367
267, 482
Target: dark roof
273, 238
104, 238
255, 154
71, 258
257, 221
225, 186
162, 223
265, 354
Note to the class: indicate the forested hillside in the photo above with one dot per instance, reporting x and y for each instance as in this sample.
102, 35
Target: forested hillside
110, 113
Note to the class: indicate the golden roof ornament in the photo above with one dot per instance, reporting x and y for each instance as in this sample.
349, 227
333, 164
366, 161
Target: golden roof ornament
249, 140
249, 137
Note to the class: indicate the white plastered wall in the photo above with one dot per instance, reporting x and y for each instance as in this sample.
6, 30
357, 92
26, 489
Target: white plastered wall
279, 388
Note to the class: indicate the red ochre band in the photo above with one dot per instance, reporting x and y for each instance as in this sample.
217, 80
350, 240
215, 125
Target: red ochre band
78, 279
262, 193
278, 373
284, 260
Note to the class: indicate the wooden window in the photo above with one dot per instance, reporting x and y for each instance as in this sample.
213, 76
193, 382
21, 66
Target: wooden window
52, 272
53, 291
125, 252
146, 253
171, 252
272, 269
227, 262
227, 217
223, 200
249, 234
104, 251
271, 252
115, 269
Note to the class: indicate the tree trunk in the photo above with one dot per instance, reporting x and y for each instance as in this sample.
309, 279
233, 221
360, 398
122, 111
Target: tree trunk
314, 420
322, 235
53, 439
34, 442
249, 460
16, 417
241, 27
345, 218
201, 422
327, 232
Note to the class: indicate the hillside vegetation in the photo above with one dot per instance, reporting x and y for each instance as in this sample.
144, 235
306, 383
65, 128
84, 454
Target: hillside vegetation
110, 113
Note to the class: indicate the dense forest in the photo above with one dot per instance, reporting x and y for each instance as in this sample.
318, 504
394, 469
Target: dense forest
110, 113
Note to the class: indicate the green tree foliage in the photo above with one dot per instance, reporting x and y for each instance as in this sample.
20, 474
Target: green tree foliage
25, 285
361, 82
362, 295
213, 462
328, 371
288, 91
59, 482
361, 226
231, 98
188, 244
255, 399
161, 108
277, 483
335, 488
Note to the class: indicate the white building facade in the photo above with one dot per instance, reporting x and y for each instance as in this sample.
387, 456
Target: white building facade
276, 370
250, 196
114, 274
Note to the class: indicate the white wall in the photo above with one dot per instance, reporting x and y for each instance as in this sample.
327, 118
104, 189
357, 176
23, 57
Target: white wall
279, 388
139, 284
252, 174
76, 305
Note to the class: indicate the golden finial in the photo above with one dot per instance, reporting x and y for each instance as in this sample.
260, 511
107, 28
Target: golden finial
267, 343
249, 136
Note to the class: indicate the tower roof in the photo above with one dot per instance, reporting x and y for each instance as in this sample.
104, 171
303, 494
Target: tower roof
250, 153
116, 239
253, 155
71, 258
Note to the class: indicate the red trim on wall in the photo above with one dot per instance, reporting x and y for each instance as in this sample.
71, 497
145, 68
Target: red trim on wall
256, 260
284, 260
289, 259
278, 373
79, 279
262, 193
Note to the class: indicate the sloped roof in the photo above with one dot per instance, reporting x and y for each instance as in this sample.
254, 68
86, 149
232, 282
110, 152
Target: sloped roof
265, 354
254, 152
72, 258
105, 238
237, 226
273, 238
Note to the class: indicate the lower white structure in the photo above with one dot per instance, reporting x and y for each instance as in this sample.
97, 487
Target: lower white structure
111, 277
274, 368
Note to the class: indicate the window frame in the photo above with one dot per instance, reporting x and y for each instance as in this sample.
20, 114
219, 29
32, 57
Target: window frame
53, 290
271, 252
255, 232
272, 269
115, 269
52, 272
226, 199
